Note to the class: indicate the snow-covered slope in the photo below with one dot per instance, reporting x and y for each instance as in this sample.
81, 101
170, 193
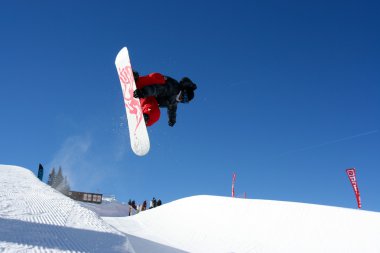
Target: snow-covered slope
36, 218
221, 224
109, 208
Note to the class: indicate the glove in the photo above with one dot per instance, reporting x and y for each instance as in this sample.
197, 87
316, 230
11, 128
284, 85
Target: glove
171, 123
135, 75
146, 117
138, 93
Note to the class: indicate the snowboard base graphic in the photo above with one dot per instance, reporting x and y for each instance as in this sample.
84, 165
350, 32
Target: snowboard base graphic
137, 129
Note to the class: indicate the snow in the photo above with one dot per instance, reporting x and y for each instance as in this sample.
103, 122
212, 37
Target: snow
108, 207
36, 218
223, 224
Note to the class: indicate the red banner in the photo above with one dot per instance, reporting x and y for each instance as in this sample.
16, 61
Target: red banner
233, 184
351, 173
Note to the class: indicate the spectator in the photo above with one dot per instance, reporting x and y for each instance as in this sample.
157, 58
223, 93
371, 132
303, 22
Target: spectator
154, 202
151, 204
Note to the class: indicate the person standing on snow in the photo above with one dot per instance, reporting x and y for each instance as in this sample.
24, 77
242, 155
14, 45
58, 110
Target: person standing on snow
156, 90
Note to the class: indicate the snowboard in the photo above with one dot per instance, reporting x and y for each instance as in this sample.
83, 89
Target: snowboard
136, 124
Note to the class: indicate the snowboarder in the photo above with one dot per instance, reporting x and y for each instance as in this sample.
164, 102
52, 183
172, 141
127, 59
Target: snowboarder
156, 90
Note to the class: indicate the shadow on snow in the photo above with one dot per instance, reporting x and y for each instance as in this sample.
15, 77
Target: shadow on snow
74, 239
146, 246
62, 238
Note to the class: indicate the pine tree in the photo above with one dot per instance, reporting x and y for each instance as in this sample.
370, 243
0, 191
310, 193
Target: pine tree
51, 179
59, 180
66, 186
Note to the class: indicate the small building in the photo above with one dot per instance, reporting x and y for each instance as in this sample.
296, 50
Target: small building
86, 196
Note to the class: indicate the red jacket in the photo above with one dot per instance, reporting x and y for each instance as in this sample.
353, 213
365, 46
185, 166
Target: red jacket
149, 105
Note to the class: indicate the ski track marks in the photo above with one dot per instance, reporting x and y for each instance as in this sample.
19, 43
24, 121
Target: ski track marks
36, 218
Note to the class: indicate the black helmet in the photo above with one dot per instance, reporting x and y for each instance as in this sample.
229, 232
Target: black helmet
186, 83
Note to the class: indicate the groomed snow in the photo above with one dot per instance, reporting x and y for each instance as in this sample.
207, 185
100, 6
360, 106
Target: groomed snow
36, 218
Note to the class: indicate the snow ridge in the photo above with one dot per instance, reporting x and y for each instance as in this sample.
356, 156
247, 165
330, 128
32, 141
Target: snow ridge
224, 224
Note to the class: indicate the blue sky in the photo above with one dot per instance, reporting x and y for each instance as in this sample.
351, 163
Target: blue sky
288, 96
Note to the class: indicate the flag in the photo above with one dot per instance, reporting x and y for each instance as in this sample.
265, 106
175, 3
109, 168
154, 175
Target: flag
351, 173
40, 172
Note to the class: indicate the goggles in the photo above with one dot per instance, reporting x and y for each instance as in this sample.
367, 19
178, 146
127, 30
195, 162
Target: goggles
183, 97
